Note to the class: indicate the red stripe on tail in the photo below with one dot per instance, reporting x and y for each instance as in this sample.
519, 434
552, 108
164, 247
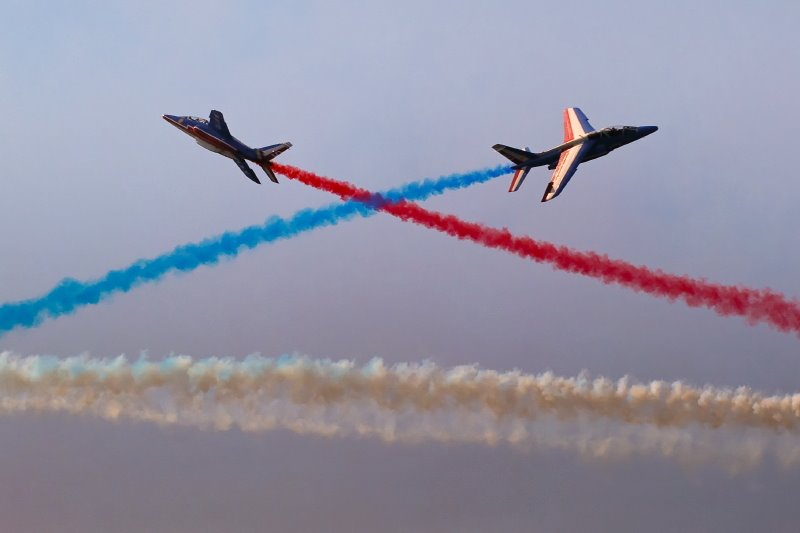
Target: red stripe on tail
568, 135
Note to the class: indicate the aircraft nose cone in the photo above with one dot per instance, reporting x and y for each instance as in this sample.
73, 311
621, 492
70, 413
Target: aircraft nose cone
170, 118
647, 130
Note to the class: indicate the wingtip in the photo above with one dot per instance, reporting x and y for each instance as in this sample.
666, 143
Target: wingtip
547, 192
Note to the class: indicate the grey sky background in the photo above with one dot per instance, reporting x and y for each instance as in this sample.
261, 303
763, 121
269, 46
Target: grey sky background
382, 93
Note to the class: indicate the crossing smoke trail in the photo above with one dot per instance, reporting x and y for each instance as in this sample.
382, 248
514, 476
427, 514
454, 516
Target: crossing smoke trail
70, 294
403, 402
755, 305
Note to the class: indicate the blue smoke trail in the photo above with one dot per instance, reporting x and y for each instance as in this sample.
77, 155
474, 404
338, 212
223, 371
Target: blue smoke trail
71, 294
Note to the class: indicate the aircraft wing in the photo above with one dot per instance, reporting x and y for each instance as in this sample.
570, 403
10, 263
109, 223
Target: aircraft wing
575, 124
218, 123
567, 165
242, 164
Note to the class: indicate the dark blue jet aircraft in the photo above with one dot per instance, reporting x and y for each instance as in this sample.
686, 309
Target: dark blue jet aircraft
214, 135
581, 143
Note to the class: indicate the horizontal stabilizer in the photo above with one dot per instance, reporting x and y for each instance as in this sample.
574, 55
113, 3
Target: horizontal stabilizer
519, 176
515, 155
269, 172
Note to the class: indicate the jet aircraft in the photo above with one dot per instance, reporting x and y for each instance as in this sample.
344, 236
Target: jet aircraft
214, 135
581, 143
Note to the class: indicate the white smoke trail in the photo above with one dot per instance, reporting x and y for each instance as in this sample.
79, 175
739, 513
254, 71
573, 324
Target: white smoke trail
406, 402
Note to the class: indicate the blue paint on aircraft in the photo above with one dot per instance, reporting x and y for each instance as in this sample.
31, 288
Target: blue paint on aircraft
214, 135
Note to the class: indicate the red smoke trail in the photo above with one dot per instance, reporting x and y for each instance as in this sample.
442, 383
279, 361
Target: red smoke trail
755, 305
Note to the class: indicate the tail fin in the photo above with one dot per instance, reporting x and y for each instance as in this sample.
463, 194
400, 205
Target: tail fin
267, 154
218, 123
523, 159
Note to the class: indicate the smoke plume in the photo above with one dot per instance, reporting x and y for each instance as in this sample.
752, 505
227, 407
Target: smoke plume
70, 294
250, 385
755, 305
412, 402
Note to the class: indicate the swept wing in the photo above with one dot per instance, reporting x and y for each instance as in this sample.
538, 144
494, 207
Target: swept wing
575, 124
566, 167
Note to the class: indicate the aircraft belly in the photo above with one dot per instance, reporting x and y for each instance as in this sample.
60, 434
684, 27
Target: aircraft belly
597, 150
207, 146
210, 142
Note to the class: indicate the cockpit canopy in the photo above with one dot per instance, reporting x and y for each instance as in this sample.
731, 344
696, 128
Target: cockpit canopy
618, 130
198, 119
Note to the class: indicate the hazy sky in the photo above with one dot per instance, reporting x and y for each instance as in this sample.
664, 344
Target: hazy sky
382, 93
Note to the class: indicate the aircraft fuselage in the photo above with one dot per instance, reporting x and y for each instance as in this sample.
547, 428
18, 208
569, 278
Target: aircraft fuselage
214, 135
603, 141
209, 138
